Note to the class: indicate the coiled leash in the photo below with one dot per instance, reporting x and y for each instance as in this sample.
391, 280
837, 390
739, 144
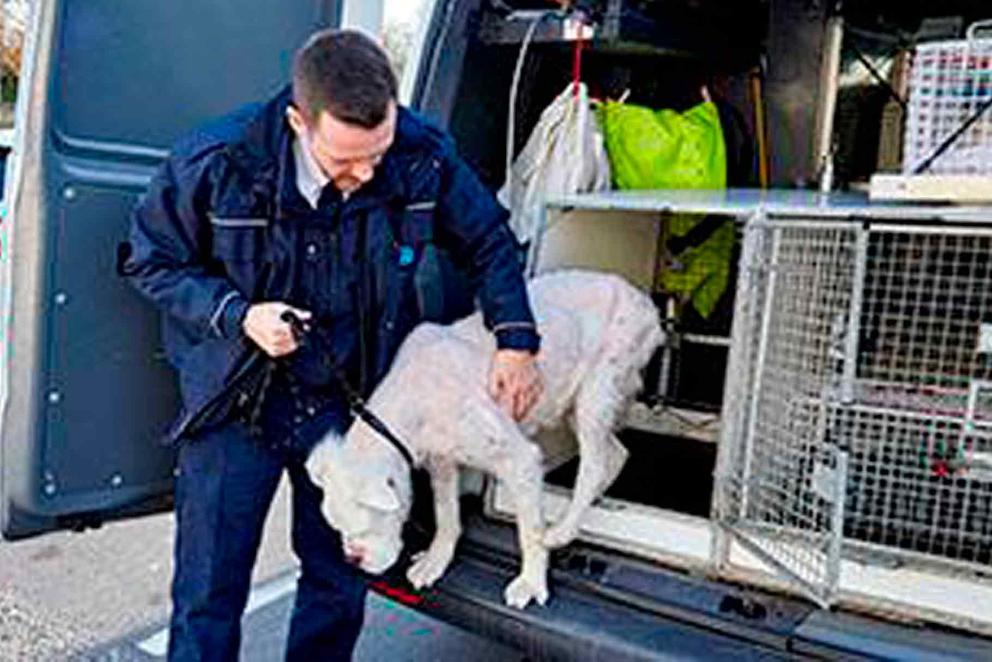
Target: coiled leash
356, 403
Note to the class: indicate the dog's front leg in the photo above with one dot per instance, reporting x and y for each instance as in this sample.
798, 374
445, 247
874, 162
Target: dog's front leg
525, 479
430, 564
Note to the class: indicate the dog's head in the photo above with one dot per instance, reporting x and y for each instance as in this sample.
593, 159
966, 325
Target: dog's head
367, 499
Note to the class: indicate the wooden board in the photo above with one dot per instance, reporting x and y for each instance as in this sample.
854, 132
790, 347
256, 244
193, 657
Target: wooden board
932, 188
621, 242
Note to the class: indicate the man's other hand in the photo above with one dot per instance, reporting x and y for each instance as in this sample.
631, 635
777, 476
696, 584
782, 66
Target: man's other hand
264, 325
515, 381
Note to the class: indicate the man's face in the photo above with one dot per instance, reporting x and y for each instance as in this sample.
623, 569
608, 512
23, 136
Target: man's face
347, 153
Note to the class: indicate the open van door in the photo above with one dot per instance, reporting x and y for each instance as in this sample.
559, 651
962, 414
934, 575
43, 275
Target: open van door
106, 88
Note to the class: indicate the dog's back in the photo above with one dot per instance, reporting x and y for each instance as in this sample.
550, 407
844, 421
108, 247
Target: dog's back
585, 313
616, 316
591, 323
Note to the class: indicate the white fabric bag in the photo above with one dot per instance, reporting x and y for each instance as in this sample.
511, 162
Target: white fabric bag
564, 154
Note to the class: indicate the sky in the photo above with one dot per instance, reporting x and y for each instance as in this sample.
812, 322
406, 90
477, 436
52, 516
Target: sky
403, 10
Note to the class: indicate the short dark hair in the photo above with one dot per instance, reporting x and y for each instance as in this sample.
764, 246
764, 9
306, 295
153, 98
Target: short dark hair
345, 73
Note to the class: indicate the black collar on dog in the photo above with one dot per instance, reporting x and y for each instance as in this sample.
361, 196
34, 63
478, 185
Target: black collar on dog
355, 400
374, 422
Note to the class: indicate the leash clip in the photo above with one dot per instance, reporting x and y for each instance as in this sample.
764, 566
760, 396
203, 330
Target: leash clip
299, 328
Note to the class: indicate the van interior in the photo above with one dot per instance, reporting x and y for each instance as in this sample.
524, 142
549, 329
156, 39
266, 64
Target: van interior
762, 62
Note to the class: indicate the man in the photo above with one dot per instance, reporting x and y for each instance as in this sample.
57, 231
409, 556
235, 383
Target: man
320, 202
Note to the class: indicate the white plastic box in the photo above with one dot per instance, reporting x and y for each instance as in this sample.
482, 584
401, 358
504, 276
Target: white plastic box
949, 82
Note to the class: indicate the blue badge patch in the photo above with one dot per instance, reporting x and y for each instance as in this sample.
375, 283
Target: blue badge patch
406, 256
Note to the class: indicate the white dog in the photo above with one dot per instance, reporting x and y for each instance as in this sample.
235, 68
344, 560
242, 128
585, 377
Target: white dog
598, 332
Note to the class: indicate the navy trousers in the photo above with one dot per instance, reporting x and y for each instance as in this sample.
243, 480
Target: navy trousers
226, 481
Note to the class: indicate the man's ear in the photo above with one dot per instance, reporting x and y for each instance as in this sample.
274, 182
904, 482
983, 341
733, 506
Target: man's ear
379, 493
296, 119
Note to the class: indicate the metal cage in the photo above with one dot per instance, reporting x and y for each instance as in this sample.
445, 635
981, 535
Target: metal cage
860, 408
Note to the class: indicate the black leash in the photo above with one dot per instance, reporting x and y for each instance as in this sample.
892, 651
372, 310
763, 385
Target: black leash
301, 331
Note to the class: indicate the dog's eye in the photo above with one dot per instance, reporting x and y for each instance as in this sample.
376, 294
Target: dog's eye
390, 482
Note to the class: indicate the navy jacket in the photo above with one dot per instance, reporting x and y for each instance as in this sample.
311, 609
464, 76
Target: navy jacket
212, 235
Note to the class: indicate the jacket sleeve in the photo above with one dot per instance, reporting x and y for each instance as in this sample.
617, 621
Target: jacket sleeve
474, 225
169, 240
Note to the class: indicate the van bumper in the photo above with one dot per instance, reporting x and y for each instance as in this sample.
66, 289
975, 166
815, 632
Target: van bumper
628, 610
574, 625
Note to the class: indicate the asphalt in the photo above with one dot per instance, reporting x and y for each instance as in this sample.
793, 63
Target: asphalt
103, 595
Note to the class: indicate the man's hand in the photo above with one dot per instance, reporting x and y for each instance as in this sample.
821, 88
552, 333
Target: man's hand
263, 324
515, 381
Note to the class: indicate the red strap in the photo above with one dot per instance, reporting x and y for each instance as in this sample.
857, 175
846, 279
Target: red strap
577, 64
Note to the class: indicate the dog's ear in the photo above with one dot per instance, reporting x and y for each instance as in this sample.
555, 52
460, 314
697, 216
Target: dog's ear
320, 460
379, 493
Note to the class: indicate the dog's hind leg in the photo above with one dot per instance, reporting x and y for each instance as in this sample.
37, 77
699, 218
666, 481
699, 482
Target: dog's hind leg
430, 564
601, 455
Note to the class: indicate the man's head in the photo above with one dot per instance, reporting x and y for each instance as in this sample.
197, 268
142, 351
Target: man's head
344, 105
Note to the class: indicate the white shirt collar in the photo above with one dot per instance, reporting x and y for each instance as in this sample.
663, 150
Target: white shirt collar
310, 179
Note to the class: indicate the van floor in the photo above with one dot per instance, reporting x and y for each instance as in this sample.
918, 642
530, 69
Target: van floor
666, 472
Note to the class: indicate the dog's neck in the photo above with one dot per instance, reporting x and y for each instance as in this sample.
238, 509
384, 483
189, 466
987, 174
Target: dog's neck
401, 421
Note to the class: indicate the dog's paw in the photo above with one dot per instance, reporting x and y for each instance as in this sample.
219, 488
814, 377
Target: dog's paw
427, 568
559, 536
522, 590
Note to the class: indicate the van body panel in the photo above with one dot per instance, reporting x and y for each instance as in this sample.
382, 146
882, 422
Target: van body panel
87, 391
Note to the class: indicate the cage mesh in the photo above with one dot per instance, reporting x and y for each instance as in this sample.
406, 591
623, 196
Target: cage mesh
863, 412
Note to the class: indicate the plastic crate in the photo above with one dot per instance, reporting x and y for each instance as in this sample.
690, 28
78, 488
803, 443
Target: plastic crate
949, 82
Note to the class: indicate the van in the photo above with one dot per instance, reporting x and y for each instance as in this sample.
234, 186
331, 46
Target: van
810, 467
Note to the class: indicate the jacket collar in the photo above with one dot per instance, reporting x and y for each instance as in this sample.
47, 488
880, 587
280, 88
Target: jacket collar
266, 153
310, 178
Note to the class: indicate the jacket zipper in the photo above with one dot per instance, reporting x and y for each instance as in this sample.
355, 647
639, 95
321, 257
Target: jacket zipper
362, 308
